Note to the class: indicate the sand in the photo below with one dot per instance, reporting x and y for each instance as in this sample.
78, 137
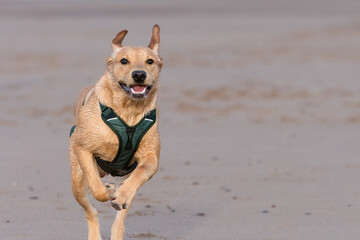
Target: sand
259, 117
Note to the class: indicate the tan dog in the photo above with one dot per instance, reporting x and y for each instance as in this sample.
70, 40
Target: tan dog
129, 87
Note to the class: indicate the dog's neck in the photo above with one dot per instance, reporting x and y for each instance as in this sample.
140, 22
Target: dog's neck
129, 109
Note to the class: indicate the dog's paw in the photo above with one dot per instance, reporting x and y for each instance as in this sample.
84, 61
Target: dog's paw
111, 187
101, 194
122, 199
117, 206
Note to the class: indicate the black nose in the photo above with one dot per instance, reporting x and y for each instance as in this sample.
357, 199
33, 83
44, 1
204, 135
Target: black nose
138, 76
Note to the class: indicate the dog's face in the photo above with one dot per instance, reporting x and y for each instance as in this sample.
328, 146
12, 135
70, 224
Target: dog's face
135, 70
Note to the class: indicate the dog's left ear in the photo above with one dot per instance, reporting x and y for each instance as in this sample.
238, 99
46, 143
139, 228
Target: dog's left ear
155, 38
116, 42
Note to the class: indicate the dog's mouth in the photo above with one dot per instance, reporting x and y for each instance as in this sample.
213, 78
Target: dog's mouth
136, 91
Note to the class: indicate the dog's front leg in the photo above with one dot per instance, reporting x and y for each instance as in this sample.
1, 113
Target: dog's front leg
146, 168
118, 229
88, 166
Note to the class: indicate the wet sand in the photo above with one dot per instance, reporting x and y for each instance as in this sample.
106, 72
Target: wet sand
259, 117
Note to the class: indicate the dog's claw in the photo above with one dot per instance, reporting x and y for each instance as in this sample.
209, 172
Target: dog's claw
116, 206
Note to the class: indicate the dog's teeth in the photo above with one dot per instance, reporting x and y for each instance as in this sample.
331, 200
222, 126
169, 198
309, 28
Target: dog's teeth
142, 92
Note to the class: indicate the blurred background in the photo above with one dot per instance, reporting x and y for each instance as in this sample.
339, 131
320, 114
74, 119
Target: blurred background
259, 117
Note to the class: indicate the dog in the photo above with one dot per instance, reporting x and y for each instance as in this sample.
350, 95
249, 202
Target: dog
116, 131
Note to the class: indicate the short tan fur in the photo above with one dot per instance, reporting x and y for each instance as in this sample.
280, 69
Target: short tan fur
116, 89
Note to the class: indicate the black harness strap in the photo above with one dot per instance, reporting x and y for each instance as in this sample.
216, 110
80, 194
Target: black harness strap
129, 139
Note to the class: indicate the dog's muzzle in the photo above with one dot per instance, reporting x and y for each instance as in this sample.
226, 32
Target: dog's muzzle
136, 91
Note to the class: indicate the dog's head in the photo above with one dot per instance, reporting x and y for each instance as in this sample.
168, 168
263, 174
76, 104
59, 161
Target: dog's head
135, 70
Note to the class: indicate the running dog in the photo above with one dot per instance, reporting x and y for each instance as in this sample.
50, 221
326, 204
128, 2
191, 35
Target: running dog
116, 131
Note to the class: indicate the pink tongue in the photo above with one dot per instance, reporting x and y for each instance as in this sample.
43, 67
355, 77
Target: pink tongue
138, 88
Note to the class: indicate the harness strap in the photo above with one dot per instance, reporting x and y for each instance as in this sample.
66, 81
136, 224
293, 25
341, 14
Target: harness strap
72, 130
129, 139
113, 170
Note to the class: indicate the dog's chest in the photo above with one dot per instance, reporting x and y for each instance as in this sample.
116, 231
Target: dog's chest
108, 147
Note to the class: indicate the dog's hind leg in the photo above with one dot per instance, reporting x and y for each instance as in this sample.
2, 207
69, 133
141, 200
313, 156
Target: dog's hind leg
81, 193
118, 228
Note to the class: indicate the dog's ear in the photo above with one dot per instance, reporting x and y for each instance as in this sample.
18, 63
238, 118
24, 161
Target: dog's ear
155, 38
116, 42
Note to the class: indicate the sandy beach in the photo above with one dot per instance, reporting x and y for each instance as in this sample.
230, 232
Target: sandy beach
259, 117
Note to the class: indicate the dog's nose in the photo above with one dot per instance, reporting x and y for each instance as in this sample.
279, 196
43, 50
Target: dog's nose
138, 76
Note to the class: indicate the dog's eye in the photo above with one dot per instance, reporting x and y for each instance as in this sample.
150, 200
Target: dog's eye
150, 61
124, 61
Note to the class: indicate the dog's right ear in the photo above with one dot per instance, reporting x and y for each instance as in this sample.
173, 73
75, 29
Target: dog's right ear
116, 42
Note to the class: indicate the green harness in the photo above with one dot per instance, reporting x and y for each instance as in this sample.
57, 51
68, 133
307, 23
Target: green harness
129, 139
